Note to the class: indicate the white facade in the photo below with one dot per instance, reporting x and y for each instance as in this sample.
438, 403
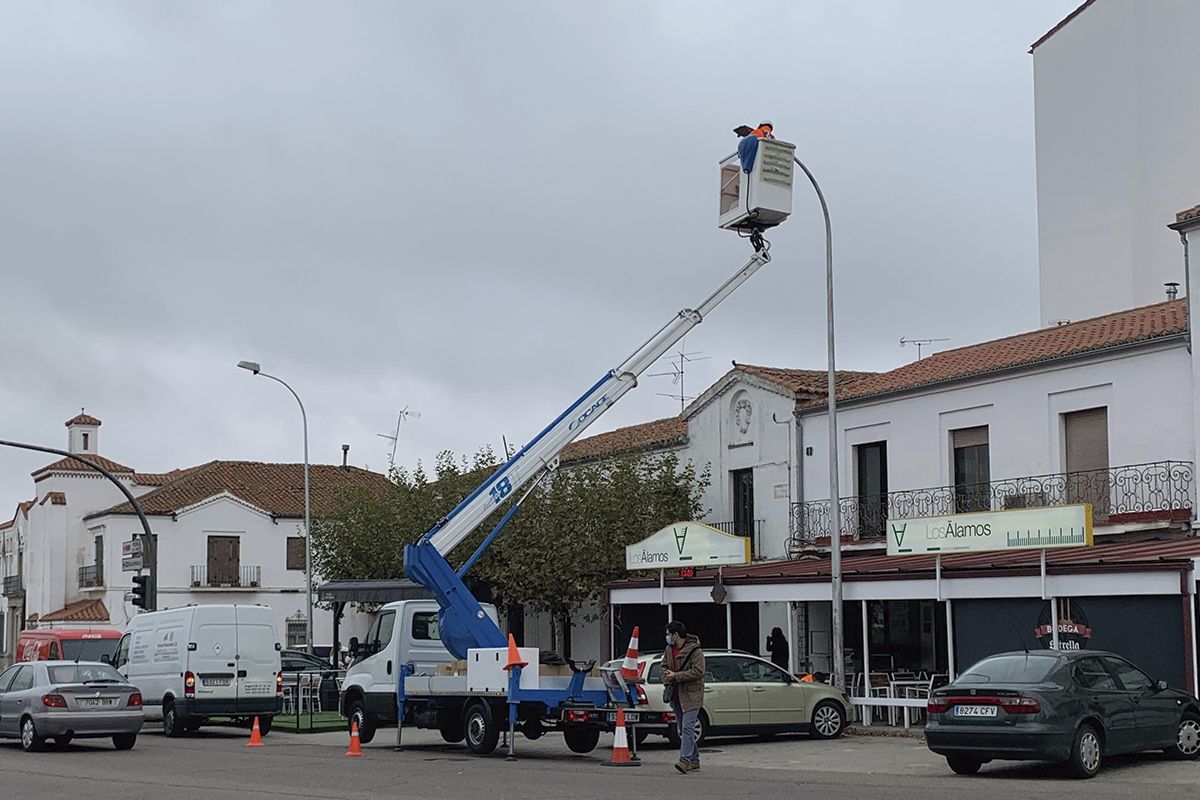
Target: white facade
1147, 390
65, 552
1117, 107
744, 422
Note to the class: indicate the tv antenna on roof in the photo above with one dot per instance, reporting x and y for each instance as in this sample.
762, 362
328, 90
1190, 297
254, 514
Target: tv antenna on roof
394, 437
678, 364
920, 343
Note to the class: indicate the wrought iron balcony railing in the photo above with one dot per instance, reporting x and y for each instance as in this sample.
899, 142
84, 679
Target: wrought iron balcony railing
1161, 490
752, 530
232, 577
12, 586
91, 576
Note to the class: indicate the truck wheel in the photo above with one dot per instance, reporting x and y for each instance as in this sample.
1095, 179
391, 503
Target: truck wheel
366, 725
582, 740
482, 732
173, 725
453, 735
264, 726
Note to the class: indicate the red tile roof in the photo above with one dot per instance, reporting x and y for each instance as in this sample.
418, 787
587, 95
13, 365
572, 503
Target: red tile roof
1102, 557
1144, 324
80, 611
25, 506
54, 498
1060, 25
75, 465
82, 419
161, 478
277, 489
802, 381
656, 435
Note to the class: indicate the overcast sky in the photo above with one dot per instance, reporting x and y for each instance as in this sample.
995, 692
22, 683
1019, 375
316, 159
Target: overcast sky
475, 209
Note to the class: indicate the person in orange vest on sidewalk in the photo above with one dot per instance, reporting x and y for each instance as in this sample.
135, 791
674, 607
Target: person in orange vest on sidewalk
683, 689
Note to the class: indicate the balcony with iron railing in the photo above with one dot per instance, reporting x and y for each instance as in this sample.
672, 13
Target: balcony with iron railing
752, 529
91, 577
232, 577
12, 586
1137, 493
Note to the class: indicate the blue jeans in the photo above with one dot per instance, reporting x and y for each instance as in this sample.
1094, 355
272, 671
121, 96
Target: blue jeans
686, 723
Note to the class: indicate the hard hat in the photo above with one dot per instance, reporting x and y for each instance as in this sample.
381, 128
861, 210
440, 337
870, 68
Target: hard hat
766, 122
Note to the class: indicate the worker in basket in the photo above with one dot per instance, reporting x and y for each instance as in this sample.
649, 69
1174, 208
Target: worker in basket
748, 146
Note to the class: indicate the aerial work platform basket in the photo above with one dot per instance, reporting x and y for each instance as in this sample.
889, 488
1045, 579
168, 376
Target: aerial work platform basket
761, 198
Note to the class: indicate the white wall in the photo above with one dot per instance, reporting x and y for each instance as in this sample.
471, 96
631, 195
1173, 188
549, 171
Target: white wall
715, 438
1117, 107
1148, 393
183, 543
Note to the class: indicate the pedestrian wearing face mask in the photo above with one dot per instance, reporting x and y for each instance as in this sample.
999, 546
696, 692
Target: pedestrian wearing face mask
683, 688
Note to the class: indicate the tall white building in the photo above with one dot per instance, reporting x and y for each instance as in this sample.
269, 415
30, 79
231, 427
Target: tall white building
1117, 108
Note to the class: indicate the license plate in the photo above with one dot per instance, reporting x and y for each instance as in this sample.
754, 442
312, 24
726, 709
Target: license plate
96, 702
630, 717
974, 711
216, 681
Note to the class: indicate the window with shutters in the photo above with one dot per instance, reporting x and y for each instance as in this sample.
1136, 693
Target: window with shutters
972, 469
1085, 445
295, 552
224, 560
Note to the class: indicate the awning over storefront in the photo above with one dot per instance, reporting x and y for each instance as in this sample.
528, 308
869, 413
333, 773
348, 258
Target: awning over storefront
374, 591
1156, 566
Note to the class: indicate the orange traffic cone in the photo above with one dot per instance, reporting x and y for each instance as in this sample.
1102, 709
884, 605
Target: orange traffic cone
620, 754
355, 745
514, 655
255, 736
629, 667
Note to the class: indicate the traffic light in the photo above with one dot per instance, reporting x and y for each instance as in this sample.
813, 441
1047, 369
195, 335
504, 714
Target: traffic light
141, 591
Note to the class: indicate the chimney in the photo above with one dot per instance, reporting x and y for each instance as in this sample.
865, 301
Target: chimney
345, 455
1172, 289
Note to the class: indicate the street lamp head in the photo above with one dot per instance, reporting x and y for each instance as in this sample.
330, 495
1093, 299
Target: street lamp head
253, 366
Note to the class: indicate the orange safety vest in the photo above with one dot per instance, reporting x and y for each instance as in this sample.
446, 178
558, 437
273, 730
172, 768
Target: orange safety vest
762, 132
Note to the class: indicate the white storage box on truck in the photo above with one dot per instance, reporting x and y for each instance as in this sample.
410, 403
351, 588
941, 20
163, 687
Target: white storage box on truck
197, 662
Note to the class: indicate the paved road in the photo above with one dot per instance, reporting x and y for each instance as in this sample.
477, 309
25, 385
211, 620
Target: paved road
215, 765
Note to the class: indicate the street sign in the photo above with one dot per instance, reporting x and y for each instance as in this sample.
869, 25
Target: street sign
690, 544
131, 563
1022, 529
131, 548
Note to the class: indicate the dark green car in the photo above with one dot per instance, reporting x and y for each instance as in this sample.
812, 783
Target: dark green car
1073, 707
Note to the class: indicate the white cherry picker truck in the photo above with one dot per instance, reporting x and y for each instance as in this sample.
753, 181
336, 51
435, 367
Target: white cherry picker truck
395, 680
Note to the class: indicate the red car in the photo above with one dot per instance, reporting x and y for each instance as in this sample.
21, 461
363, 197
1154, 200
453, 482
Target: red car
49, 644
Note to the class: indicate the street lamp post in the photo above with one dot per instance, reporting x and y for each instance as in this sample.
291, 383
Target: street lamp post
835, 509
254, 367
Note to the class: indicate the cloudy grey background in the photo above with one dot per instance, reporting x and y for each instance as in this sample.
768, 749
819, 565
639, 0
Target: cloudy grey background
476, 208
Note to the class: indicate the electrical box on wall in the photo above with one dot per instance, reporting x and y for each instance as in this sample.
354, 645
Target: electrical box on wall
762, 197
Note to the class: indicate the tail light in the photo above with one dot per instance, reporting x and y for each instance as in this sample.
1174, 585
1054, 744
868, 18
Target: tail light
1020, 705
578, 716
135, 700
669, 717
937, 705
189, 685
640, 695
641, 668
279, 683
54, 701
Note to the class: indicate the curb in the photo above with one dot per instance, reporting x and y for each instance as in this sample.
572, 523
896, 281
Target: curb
885, 731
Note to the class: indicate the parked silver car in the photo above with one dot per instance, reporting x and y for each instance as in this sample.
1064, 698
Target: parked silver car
60, 700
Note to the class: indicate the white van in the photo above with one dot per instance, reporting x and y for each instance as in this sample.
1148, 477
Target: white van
197, 662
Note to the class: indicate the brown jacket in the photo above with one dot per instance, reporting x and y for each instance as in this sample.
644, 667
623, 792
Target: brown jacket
689, 683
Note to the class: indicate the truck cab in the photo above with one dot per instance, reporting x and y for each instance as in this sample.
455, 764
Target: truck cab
404, 632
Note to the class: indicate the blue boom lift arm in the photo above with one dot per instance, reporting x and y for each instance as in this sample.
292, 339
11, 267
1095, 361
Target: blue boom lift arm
462, 622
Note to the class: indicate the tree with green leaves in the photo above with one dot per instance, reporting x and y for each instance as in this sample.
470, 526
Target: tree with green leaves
567, 541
